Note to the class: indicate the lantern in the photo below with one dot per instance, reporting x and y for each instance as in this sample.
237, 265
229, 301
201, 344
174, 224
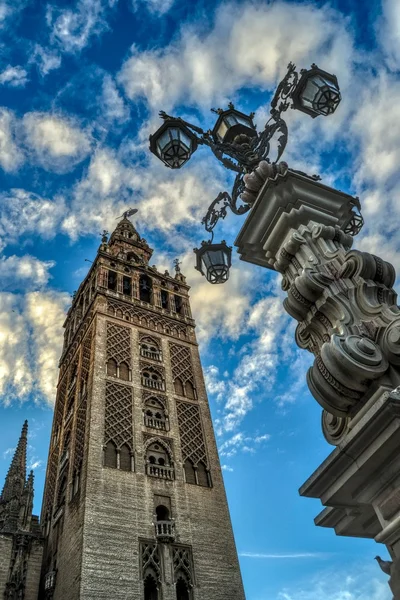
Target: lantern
173, 143
231, 123
317, 92
214, 261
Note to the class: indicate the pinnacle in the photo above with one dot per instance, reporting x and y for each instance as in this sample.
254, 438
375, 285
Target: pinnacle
18, 463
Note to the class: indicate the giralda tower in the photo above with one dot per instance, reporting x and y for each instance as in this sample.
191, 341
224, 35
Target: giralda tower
134, 505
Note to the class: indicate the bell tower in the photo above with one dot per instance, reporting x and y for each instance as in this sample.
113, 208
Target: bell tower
134, 505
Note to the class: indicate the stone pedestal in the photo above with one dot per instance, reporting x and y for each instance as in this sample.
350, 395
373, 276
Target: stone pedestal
348, 318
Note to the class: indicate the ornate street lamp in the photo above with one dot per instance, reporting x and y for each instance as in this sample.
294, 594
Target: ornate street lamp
214, 261
173, 143
238, 145
317, 92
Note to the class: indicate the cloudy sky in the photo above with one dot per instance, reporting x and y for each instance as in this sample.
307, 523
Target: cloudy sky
81, 84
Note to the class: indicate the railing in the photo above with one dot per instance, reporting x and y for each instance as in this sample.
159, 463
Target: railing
69, 414
50, 581
63, 458
165, 531
160, 472
155, 423
149, 354
153, 383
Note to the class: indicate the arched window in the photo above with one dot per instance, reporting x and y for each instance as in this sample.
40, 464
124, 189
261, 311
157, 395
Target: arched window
149, 348
162, 513
124, 371
158, 461
182, 589
111, 367
151, 378
154, 414
179, 304
190, 475
110, 455
178, 387
190, 393
125, 463
127, 286
145, 288
150, 588
202, 475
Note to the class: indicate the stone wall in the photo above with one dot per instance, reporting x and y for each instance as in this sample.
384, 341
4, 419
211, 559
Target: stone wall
6, 546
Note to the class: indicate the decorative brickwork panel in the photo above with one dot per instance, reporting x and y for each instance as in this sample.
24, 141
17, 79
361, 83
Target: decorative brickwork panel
162, 399
118, 417
181, 363
182, 561
80, 435
191, 433
51, 481
86, 356
147, 319
119, 344
150, 560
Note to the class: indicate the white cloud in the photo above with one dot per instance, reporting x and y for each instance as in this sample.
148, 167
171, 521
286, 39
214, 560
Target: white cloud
34, 464
46, 60
11, 157
57, 143
388, 29
248, 45
293, 555
359, 583
112, 104
156, 7
242, 442
24, 270
14, 76
72, 28
30, 344
23, 212
227, 468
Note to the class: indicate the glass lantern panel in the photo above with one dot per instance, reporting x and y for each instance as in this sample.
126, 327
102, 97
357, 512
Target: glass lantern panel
163, 140
309, 93
231, 120
222, 129
185, 139
245, 121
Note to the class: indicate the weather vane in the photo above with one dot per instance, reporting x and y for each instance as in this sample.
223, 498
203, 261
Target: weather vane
104, 235
128, 213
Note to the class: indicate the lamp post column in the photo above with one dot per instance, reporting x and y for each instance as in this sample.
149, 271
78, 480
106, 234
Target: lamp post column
349, 320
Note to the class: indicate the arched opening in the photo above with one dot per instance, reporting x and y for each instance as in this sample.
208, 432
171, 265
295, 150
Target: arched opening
145, 288
152, 379
112, 281
162, 513
182, 589
178, 387
112, 367
124, 371
150, 588
125, 458
190, 474
164, 299
127, 286
179, 304
110, 455
190, 393
202, 475
154, 414
150, 349
158, 461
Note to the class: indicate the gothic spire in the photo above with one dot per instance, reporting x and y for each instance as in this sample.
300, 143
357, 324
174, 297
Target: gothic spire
17, 470
125, 241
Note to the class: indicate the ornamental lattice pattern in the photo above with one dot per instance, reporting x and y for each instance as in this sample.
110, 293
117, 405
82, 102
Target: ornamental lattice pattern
191, 433
80, 434
119, 344
147, 319
181, 363
86, 356
51, 481
150, 559
182, 561
118, 418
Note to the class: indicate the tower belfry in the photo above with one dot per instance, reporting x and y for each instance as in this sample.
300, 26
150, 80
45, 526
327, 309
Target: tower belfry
134, 505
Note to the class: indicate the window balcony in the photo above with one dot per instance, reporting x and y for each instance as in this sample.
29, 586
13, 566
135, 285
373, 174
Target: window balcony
165, 531
155, 423
161, 472
149, 354
155, 384
50, 581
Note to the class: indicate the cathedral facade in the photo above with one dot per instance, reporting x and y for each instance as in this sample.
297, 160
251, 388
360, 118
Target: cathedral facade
134, 505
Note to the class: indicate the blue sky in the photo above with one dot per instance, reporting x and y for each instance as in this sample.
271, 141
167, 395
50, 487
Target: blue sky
81, 85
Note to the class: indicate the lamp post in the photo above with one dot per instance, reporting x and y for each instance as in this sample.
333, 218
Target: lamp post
237, 144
